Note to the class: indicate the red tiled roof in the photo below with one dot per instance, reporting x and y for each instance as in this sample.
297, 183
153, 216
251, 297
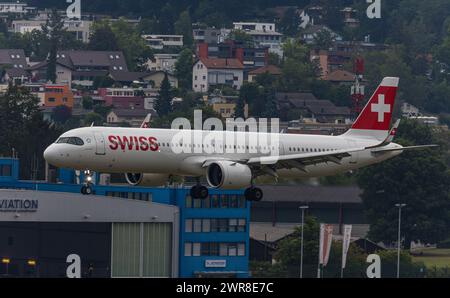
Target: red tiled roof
221, 63
340, 76
272, 69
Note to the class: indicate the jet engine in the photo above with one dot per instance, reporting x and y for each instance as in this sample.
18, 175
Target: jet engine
229, 175
146, 179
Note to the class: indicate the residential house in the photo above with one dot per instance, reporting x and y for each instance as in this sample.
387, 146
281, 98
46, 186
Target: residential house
409, 111
210, 35
161, 41
225, 106
208, 72
309, 34
13, 66
263, 34
81, 29
155, 79
134, 117
81, 67
330, 61
250, 57
122, 98
15, 8
294, 106
58, 95
340, 77
350, 19
270, 69
163, 62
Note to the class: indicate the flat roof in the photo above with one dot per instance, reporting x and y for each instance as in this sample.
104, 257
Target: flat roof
312, 194
70, 207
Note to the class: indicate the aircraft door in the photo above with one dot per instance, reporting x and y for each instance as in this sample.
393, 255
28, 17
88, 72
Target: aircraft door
100, 146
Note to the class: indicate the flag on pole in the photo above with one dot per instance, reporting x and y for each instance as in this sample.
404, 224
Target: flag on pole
346, 243
326, 237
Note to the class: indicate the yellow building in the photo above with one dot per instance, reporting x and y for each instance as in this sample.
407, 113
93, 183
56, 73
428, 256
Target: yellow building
227, 110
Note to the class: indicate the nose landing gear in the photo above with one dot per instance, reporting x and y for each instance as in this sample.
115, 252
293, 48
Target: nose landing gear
86, 189
253, 194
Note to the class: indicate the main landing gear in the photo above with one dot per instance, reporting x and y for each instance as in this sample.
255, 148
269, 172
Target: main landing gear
199, 192
86, 189
253, 194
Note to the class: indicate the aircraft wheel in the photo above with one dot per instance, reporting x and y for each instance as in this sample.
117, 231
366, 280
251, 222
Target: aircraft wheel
194, 192
88, 190
253, 194
203, 192
199, 192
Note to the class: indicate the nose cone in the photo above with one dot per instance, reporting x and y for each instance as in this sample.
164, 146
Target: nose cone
50, 155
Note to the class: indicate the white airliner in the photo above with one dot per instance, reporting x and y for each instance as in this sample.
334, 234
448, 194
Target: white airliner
147, 156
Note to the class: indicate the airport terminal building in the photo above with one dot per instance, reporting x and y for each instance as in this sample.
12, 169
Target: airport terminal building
121, 231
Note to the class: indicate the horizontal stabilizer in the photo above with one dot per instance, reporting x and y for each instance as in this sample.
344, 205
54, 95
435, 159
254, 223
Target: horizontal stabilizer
381, 150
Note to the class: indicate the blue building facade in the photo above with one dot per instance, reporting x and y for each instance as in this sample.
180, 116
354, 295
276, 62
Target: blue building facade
214, 233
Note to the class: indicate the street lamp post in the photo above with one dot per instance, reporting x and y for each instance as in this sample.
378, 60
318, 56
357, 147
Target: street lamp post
303, 208
399, 206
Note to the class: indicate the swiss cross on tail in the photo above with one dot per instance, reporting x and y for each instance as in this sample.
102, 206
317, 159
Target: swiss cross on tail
146, 123
377, 114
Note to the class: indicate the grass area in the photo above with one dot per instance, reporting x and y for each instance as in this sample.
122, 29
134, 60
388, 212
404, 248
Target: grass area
432, 257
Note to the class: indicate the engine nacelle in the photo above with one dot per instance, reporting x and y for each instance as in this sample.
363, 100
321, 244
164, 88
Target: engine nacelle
148, 179
229, 175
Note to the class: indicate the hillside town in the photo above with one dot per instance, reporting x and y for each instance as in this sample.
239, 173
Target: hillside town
312, 64
218, 68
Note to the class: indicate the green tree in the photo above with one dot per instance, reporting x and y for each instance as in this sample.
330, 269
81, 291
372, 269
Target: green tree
183, 69
290, 22
250, 93
61, 114
134, 47
87, 103
298, 71
240, 108
93, 117
164, 102
54, 31
271, 106
323, 40
288, 254
103, 38
23, 130
184, 27
241, 36
420, 179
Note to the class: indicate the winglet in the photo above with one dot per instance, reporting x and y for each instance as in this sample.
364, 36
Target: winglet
393, 132
146, 123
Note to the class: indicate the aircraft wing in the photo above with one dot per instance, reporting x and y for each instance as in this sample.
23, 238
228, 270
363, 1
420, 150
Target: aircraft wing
382, 150
300, 161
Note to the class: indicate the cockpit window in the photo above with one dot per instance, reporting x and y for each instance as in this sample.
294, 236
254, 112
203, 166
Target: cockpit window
72, 141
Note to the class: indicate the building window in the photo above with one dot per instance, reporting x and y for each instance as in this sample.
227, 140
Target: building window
197, 226
188, 249
241, 249
242, 225
224, 201
205, 249
188, 226
206, 225
188, 202
196, 249
223, 249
